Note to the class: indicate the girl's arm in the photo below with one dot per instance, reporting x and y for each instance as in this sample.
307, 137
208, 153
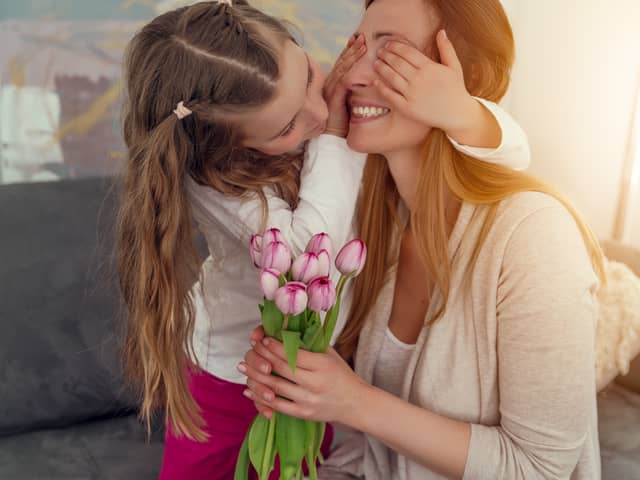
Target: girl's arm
546, 315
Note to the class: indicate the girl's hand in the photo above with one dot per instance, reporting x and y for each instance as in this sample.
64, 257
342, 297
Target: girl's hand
426, 91
335, 92
323, 387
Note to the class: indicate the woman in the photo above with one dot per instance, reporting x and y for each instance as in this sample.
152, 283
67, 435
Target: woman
474, 316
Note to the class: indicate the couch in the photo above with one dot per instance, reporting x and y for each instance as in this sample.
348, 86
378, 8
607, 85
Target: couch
65, 413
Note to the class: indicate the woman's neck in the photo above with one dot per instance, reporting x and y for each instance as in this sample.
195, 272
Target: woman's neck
404, 166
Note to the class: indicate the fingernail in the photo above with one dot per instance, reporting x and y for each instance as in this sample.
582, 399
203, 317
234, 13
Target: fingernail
265, 368
268, 397
253, 343
265, 342
247, 393
242, 368
444, 32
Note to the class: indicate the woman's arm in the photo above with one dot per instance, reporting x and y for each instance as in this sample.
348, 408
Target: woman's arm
546, 316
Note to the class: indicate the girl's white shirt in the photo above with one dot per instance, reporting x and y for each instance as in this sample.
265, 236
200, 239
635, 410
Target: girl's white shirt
227, 295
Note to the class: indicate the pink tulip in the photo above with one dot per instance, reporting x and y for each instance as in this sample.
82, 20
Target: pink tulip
276, 255
269, 282
351, 258
322, 294
319, 242
255, 248
292, 298
324, 261
305, 267
273, 235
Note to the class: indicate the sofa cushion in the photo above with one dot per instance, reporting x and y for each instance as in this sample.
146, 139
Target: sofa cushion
59, 361
113, 449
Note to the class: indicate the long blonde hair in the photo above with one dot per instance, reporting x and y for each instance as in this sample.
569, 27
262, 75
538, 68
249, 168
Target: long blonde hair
482, 36
218, 59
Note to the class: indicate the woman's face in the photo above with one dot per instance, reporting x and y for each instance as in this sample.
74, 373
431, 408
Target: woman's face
296, 113
375, 127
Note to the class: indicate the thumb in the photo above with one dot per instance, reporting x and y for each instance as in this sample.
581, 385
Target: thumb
448, 54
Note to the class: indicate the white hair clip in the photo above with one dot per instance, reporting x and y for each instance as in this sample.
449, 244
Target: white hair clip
226, 2
181, 111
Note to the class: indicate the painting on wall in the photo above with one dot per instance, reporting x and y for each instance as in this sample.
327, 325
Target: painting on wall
60, 88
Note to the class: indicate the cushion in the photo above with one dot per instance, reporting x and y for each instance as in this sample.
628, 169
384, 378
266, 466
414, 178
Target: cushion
59, 360
618, 328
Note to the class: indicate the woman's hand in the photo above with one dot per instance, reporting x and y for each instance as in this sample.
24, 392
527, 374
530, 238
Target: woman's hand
323, 387
335, 92
423, 90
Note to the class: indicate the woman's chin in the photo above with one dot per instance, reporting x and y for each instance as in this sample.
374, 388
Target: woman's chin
358, 142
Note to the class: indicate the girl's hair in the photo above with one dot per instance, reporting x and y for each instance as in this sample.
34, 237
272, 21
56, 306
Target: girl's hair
482, 35
220, 61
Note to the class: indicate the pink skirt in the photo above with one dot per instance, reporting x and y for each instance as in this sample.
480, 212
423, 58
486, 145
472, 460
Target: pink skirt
228, 414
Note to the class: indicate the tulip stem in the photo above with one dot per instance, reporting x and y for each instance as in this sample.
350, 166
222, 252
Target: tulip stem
285, 323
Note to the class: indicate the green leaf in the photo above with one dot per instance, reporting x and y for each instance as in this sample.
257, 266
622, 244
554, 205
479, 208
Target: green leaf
291, 444
311, 334
310, 455
332, 315
258, 433
291, 341
242, 464
296, 323
261, 308
272, 318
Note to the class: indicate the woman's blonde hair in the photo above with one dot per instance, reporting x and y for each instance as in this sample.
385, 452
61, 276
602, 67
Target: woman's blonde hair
482, 36
219, 60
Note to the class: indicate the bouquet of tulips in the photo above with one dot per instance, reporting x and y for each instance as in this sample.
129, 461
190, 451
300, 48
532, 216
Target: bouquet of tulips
300, 308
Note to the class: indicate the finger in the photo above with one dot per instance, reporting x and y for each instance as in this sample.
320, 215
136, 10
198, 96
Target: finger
396, 100
448, 54
257, 362
391, 77
397, 63
306, 361
256, 335
409, 53
279, 363
281, 405
262, 391
261, 407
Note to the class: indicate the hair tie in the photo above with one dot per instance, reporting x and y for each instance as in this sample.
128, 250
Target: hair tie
181, 111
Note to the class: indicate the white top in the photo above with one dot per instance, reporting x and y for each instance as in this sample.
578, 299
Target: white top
226, 306
512, 354
388, 374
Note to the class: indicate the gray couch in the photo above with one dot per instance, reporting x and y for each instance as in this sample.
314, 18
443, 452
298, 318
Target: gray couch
64, 411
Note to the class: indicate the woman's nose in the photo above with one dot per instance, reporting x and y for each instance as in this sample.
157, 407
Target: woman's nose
362, 73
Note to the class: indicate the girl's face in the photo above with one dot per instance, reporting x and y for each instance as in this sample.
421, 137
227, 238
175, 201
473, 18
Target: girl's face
297, 111
383, 130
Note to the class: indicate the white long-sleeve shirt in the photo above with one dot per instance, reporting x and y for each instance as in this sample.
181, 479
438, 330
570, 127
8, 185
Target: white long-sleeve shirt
226, 307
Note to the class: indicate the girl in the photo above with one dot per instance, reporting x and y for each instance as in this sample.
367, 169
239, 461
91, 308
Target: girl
219, 98
474, 316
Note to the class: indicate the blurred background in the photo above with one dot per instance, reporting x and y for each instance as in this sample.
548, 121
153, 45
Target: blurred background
575, 89
64, 410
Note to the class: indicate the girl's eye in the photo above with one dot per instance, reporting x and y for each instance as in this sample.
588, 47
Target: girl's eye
289, 129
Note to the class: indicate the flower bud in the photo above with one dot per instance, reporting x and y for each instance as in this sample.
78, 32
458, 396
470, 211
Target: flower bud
319, 242
291, 299
305, 268
351, 258
255, 248
322, 294
276, 255
269, 282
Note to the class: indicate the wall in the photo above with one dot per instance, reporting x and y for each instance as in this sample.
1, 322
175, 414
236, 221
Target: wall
573, 90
